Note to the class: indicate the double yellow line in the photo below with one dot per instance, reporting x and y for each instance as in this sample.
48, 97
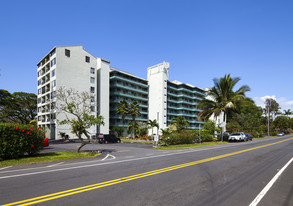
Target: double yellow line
65, 193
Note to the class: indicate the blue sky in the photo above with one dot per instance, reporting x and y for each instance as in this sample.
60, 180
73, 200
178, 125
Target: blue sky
202, 40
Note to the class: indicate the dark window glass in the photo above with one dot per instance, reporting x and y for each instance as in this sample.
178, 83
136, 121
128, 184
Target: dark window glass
87, 59
67, 52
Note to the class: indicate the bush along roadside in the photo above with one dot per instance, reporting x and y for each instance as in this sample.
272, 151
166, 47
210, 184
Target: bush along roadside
184, 137
17, 140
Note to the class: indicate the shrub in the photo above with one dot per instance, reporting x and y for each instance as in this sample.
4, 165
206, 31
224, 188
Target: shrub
181, 137
18, 140
206, 136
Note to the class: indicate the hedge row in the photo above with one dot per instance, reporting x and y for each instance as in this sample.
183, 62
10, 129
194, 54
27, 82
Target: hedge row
185, 137
19, 140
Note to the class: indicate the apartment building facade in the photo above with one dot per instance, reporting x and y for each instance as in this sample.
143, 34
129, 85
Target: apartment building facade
131, 88
170, 99
73, 67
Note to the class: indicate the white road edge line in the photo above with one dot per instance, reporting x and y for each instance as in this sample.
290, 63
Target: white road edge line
55, 164
269, 185
3, 168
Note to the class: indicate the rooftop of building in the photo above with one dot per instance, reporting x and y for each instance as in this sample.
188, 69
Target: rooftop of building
123, 72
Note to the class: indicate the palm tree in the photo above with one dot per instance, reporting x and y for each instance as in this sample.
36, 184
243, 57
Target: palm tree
133, 127
180, 122
134, 111
123, 109
153, 124
287, 112
221, 98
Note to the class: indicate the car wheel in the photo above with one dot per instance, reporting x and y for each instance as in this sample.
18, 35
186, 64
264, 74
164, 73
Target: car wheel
118, 141
106, 142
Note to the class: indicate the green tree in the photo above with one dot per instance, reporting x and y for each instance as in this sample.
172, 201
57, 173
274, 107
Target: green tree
180, 122
123, 110
287, 112
221, 98
118, 130
152, 124
166, 132
77, 107
210, 127
282, 123
134, 111
133, 128
247, 118
272, 107
19, 107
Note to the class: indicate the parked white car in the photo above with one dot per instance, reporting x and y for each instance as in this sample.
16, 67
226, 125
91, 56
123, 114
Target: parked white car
237, 136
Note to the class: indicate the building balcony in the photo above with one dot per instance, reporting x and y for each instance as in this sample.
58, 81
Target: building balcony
129, 81
184, 108
140, 105
187, 90
128, 88
129, 96
129, 118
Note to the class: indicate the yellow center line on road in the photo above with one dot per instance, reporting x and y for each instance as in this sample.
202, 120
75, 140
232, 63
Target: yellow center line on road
65, 193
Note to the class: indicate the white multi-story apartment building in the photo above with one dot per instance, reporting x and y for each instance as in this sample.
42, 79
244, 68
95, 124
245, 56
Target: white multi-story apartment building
73, 67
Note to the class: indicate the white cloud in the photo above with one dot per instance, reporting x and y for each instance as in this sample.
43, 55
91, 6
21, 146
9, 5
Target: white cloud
283, 102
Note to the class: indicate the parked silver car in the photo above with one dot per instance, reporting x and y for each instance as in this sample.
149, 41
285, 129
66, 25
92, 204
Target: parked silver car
237, 136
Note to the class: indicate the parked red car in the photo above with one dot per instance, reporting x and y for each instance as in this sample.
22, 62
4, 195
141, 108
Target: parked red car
46, 142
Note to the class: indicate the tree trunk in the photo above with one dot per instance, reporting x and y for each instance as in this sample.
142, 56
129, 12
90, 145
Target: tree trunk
83, 143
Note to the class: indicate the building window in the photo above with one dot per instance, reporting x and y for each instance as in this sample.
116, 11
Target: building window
39, 91
39, 82
92, 108
87, 59
92, 89
39, 100
53, 83
53, 52
93, 99
53, 95
92, 70
53, 116
92, 80
67, 52
53, 73
53, 62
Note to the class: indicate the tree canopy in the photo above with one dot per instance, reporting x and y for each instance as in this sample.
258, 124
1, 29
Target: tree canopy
222, 98
19, 107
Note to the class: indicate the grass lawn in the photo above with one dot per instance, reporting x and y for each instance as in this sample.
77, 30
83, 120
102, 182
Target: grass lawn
47, 157
185, 146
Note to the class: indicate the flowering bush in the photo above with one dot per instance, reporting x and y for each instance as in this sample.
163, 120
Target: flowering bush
18, 140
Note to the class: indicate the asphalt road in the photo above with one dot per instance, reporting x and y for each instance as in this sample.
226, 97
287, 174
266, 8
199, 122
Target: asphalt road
132, 174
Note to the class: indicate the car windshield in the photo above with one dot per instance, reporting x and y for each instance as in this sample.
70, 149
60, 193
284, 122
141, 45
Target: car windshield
235, 134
